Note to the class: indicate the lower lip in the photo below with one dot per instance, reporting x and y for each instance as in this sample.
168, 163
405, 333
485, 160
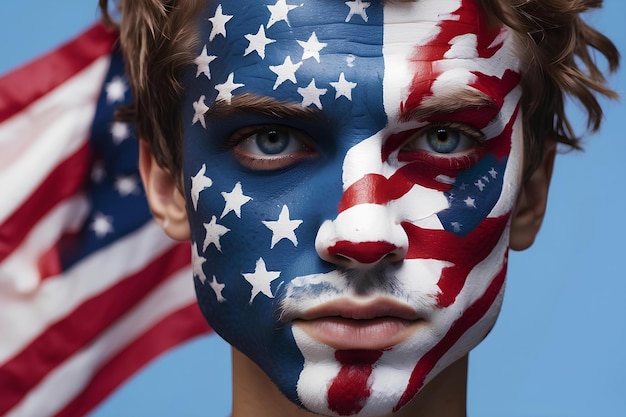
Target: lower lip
342, 333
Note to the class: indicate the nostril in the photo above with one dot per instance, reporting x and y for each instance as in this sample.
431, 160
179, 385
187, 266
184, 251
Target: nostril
365, 252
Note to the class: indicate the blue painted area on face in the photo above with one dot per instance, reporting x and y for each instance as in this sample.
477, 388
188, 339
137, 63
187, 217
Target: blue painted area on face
475, 193
310, 189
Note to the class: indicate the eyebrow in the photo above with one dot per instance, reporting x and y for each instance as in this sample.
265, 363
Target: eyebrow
251, 103
455, 100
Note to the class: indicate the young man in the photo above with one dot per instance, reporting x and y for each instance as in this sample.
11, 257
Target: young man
351, 176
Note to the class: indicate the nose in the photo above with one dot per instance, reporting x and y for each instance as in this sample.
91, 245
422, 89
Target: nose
362, 237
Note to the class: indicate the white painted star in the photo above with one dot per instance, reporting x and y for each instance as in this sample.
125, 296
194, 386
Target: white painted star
202, 61
311, 95
127, 185
225, 90
470, 202
116, 90
214, 232
283, 228
197, 262
101, 225
285, 71
199, 182
258, 42
493, 173
217, 289
219, 23
199, 108
312, 47
357, 7
234, 200
119, 132
480, 184
279, 12
456, 226
343, 87
260, 280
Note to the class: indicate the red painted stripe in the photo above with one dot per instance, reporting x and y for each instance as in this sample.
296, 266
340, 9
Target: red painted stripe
349, 390
465, 252
63, 182
470, 317
174, 329
362, 252
24, 371
24, 85
376, 189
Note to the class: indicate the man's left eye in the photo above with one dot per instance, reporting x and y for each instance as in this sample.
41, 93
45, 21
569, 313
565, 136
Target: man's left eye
267, 148
443, 140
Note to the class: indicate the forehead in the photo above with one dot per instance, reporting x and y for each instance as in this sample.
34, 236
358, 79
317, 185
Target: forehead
327, 54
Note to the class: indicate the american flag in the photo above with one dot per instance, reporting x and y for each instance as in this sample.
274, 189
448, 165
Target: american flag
90, 287
255, 233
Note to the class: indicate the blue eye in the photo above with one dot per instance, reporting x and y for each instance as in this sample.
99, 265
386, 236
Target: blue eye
270, 147
272, 142
443, 140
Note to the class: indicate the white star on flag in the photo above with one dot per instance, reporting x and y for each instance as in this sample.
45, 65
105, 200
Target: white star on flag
480, 184
343, 87
202, 61
214, 232
357, 7
225, 90
217, 289
470, 202
283, 228
116, 90
197, 262
219, 23
493, 173
119, 132
311, 95
102, 225
199, 182
312, 48
199, 109
127, 185
279, 12
285, 71
260, 280
258, 42
234, 200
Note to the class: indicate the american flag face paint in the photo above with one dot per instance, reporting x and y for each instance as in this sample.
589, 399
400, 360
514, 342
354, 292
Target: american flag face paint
351, 168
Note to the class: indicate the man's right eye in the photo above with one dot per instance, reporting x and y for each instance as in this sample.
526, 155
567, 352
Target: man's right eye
266, 148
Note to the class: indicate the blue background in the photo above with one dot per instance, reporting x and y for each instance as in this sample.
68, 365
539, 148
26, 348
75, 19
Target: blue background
558, 347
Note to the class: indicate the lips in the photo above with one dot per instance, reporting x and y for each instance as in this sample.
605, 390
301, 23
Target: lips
346, 324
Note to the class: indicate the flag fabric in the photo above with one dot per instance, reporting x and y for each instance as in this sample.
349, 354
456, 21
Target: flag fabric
90, 287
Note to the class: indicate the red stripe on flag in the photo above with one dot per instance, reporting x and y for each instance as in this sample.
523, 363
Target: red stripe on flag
63, 182
25, 370
174, 329
22, 86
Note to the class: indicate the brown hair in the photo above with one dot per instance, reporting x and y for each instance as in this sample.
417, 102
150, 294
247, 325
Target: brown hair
558, 45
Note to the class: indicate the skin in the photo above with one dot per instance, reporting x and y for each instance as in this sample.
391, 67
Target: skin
371, 287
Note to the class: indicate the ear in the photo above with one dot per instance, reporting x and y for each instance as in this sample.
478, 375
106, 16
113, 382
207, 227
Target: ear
165, 199
531, 203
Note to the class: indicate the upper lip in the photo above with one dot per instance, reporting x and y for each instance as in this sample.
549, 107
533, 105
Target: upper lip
361, 310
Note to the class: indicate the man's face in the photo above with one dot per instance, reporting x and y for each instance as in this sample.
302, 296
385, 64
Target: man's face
350, 170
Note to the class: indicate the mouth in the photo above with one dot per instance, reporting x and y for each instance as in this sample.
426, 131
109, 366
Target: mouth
372, 325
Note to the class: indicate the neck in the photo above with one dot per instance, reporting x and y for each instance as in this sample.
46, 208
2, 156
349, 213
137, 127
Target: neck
254, 394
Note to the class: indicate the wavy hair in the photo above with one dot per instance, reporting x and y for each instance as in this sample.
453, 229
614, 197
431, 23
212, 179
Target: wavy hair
557, 44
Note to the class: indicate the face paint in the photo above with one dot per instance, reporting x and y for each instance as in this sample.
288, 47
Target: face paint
350, 190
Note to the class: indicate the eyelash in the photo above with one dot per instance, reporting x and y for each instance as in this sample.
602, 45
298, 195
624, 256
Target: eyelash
267, 162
